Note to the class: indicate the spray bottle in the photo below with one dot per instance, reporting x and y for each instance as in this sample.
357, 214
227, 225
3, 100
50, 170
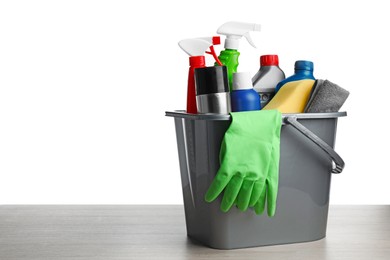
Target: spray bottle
196, 48
234, 31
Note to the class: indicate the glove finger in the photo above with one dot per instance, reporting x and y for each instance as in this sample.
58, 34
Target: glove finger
272, 192
219, 183
272, 181
244, 195
231, 192
256, 192
260, 184
260, 204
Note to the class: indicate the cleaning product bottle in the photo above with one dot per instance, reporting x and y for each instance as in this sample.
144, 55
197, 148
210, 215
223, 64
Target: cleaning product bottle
212, 90
243, 96
268, 76
234, 31
303, 69
196, 48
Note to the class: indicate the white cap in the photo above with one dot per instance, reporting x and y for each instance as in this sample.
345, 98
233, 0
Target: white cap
242, 80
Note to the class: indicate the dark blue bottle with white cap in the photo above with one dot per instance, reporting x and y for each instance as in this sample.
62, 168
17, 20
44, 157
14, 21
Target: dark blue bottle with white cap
303, 69
243, 96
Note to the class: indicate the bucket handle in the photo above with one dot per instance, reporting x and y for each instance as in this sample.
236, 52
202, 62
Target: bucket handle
337, 161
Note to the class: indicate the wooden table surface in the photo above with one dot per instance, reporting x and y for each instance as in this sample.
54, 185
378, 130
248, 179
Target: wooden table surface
118, 232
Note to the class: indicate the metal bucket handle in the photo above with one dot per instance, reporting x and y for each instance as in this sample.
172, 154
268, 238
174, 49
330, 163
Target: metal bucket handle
338, 162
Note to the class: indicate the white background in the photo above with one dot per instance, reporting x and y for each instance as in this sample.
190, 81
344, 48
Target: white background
84, 86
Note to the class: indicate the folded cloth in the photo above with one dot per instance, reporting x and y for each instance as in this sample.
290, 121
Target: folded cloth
249, 161
326, 97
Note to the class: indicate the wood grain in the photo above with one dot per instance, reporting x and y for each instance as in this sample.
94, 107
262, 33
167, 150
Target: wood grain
118, 232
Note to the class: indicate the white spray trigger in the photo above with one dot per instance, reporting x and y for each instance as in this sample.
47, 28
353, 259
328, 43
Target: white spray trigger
235, 30
194, 47
198, 46
249, 39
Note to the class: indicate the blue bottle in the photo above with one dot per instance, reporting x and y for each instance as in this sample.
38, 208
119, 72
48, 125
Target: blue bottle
303, 69
243, 96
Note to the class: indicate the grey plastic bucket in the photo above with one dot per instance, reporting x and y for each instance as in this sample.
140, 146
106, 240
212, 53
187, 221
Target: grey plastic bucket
307, 160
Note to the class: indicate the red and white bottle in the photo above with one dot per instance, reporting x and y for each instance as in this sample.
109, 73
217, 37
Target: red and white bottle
268, 76
196, 48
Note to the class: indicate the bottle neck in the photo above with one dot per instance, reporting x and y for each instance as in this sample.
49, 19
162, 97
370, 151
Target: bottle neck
230, 50
304, 72
197, 61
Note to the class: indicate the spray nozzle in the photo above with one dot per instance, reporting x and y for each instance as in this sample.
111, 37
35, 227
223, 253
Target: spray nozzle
199, 46
235, 30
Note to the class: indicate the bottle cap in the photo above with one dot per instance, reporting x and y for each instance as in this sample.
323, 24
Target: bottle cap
304, 65
197, 61
242, 80
269, 60
209, 80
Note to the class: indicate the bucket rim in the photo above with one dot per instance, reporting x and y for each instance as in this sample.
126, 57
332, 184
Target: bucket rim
183, 114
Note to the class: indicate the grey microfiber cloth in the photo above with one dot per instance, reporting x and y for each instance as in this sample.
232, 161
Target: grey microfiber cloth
326, 97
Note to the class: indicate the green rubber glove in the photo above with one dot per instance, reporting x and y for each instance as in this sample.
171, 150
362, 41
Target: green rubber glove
270, 192
246, 155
